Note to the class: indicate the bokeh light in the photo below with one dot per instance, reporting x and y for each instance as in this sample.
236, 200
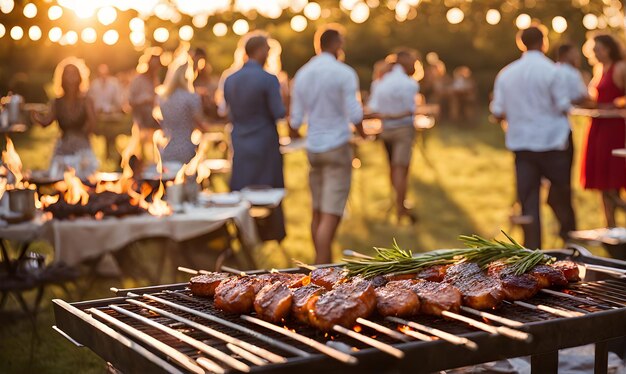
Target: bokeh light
360, 13
161, 34
55, 12
523, 21
493, 17
110, 37
16, 33
220, 29
55, 34
70, 38
84, 9
455, 16
312, 11
138, 38
89, 35
559, 24
136, 24
30, 10
185, 33
590, 21
200, 21
6, 6
298, 23
241, 27
34, 33
3, 30
107, 15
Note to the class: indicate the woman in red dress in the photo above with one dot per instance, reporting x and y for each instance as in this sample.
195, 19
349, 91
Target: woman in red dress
600, 169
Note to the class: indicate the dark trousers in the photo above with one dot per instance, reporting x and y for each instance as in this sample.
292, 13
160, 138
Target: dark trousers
556, 166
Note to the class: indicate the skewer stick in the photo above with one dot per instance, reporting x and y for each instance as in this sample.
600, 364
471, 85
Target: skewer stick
187, 270
351, 253
230, 270
500, 330
416, 335
450, 338
587, 301
302, 265
214, 353
492, 317
331, 352
390, 350
209, 365
548, 309
263, 353
246, 355
382, 329
182, 359
234, 326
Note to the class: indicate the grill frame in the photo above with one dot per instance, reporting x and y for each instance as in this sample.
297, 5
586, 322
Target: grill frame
549, 336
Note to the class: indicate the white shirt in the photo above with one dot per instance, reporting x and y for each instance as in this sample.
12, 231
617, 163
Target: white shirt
393, 95
106, 95
532, 96
326, 96
576, 86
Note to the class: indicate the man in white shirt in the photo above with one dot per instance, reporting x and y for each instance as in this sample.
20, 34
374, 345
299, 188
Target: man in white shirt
105, 92
393, 100
532, 97
326, 96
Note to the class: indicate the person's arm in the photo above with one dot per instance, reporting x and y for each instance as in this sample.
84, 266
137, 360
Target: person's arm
352, 103
497, 104
90, 121
275, 99
561, 97
45, 120
296, 117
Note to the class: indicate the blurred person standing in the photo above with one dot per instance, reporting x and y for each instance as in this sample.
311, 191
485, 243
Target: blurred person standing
393, 100
533, 99
105, 93
600, 169
204, 83
462, 94
74, 112
254, 103
181, 109
326, 95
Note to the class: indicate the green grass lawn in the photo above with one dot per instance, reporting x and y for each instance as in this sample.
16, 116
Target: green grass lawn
461, 182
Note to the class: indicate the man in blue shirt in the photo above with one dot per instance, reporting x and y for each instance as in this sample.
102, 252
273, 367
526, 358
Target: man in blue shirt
255, 104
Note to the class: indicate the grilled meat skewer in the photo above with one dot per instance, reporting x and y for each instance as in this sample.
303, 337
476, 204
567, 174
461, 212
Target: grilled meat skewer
479, 290
273, 302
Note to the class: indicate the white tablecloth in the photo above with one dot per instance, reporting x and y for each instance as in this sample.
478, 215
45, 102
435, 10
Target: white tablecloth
77, 240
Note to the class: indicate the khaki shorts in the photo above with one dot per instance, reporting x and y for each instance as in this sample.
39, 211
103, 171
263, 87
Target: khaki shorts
399, 144
330, 178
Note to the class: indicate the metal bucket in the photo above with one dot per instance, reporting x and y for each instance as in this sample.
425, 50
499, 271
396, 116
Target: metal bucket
23, 202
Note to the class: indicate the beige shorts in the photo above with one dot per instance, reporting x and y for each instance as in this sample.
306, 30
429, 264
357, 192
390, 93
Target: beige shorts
399, 144
330, 178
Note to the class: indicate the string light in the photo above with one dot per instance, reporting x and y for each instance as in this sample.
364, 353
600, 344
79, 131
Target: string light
455, 16
3, 30
55, 12
493, 17
312, 11
55, 34
6, 6
241, 27
298, 23
84, 9
138, 38
523, 21
220, 29
30, 10
136, 24
185, 33
360, 13
70, 37
161, 34
89, 35
590, 21
200, 21
110, 37
107, 15
16, 33
559, 24
34, 33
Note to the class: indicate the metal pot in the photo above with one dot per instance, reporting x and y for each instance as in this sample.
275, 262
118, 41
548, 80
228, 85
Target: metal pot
23, 202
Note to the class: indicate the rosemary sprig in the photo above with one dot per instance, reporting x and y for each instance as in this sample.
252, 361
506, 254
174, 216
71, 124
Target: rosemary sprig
396, 260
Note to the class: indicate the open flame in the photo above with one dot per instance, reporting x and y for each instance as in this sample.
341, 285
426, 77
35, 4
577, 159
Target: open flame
76, 191
159, 207
13, 162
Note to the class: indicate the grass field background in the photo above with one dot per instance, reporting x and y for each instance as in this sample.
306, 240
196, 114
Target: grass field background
461, 182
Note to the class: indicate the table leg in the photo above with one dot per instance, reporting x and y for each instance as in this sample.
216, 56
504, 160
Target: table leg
601, 358
544, 363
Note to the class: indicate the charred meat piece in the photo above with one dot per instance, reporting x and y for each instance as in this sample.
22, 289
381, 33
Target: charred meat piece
328, 277
515, 287
273, 302
236, 295
435, 297
548, 276
288, 279
479, 290
205, 284
395, 299
569, 269
303, 301
344, 304
381, 280
433, 273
